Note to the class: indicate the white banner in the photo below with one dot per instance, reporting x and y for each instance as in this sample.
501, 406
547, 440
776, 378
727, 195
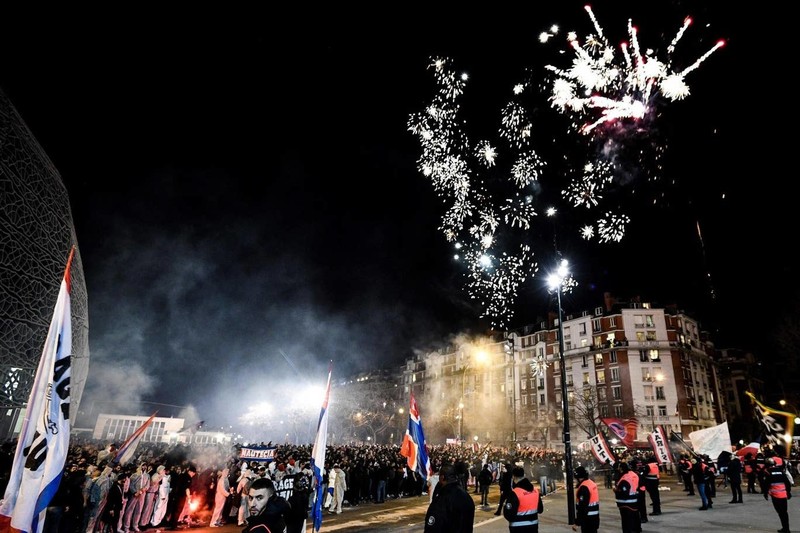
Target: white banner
600, 449
711, 441
660, 446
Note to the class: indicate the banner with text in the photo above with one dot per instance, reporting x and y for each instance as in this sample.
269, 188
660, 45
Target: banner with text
658, 440
601, 450
257, 454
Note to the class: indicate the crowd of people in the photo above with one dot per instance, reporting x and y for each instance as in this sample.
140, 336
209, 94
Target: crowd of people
177, 486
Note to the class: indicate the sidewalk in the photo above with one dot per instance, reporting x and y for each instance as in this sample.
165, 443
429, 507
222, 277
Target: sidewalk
679, 513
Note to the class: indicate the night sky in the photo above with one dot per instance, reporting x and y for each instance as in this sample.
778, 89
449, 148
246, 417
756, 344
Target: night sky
247, 203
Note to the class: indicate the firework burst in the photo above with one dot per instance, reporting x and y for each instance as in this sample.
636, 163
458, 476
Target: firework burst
490, 188
605, 85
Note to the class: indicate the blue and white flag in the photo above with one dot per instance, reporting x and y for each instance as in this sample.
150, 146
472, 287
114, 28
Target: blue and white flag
318, 453
44, 439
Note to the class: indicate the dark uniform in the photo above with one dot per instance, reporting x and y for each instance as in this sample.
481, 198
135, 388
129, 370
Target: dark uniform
626, 493
452, 509
651, 482
775, 483
587, 503
523, 505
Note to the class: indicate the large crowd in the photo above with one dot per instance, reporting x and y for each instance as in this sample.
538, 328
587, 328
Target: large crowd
156, 483
210, 470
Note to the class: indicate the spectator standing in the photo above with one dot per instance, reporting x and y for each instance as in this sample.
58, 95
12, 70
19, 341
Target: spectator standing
474, 472
505, 486
112, 510
700, 478
137, 489
485, 478
432, 482
150, 497
181, 481
162, 499
451, 510
734, 472
339, 488
222, 491
242, 490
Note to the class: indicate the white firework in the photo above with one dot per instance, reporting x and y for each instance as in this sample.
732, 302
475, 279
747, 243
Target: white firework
617, 85
612, 227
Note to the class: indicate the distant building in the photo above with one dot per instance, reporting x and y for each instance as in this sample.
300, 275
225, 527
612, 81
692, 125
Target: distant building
117, 428
623, 360
37, 233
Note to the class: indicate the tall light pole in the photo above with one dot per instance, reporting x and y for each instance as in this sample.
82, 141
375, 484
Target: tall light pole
556, 282
510, 350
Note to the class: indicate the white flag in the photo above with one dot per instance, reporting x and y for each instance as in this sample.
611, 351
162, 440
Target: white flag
711, 441
44, 440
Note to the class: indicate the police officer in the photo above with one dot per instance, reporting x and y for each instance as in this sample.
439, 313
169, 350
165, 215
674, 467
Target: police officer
775, 483
651, 482
523, 505
587, 503
626, 493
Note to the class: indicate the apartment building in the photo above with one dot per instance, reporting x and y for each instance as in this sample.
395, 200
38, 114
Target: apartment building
622, 360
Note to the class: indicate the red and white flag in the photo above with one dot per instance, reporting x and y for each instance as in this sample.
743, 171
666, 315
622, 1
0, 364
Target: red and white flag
128, 448
658, 440
44, 439
600, 449
625, 430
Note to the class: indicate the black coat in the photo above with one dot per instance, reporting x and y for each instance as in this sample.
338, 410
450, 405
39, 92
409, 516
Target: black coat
734, 470
451, 511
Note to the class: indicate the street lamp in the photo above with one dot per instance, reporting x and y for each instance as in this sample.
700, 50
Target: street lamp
556, 282
784, 403
509, 347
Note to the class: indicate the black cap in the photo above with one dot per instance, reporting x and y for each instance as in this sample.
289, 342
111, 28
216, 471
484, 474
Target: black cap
581, 473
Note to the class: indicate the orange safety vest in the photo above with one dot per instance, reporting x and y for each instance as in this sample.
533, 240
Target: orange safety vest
528, 511
652, 471
777, 489
593, 507
633, 481
748, 468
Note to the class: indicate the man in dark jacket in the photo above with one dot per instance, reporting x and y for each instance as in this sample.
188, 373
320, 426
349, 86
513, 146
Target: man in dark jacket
452, 509
523, 504
734, 473
505, 486
587, 503
485, 481
267, 509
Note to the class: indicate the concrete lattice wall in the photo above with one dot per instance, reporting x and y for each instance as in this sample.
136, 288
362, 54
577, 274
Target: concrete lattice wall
36, 234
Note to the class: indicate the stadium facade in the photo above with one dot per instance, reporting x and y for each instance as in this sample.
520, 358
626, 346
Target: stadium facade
36, 235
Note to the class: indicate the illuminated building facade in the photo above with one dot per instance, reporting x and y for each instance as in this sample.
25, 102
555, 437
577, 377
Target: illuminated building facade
36, 235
